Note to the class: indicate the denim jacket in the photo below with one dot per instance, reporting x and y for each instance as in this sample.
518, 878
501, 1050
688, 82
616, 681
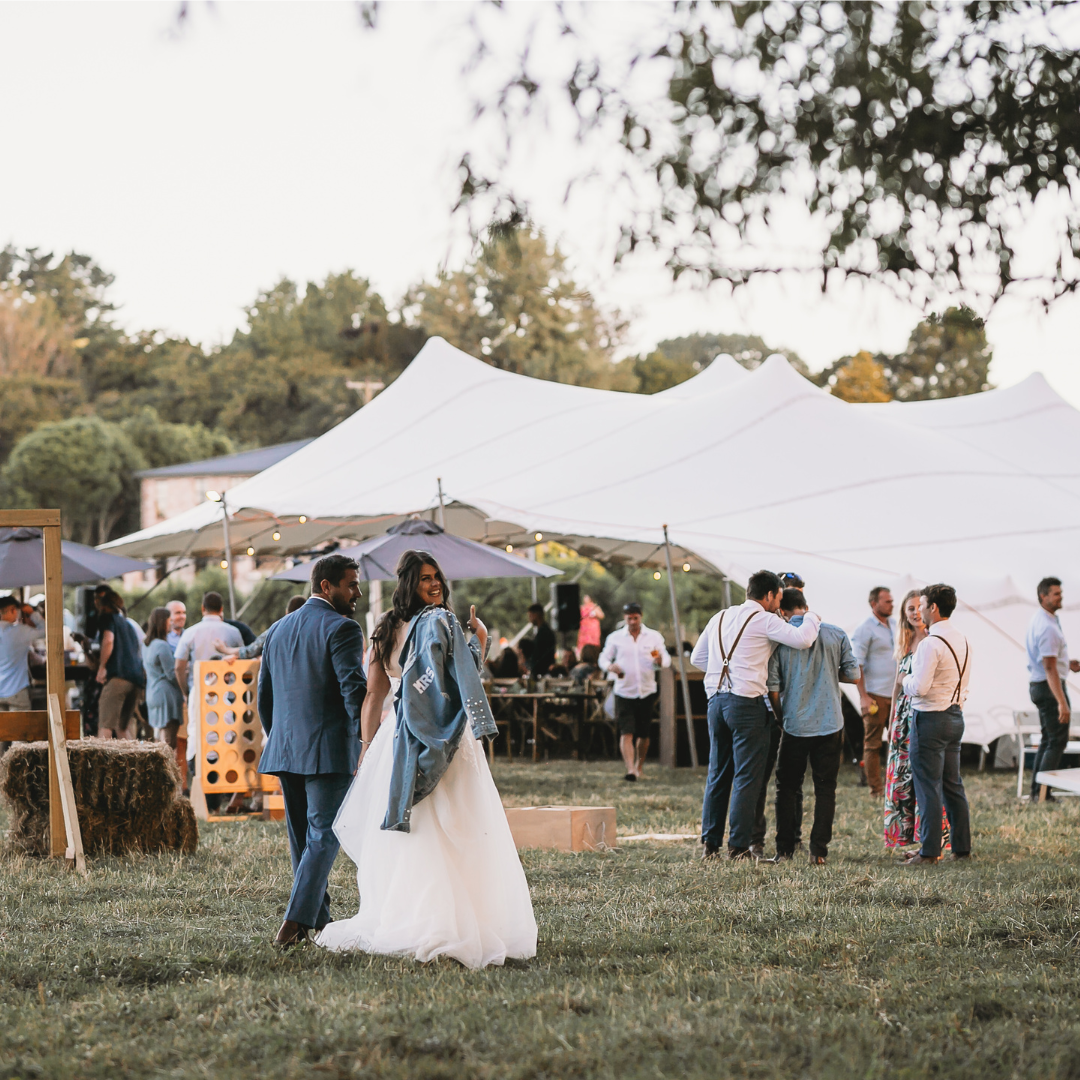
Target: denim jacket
440, 689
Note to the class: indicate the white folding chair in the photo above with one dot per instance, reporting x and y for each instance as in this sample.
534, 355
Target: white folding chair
1026, 723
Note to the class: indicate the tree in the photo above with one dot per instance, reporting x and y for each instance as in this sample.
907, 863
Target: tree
35, 339
161, 443
516, 306
677, 359
919, 137
342, 320
861, 378
947, 356
83, 465
29, 400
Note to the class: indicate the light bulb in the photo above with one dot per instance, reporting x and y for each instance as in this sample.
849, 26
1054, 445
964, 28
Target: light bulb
656, 575
224, 564
686, 567
214, 496
303, 519
277, 536
539, 536
251, 551
509, 547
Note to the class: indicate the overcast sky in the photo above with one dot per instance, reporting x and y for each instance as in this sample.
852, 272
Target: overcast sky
282, 139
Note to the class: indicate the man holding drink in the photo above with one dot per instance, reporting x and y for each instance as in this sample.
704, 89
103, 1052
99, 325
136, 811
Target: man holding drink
632, 654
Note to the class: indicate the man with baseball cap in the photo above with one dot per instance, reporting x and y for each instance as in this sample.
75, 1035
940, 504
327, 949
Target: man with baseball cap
632, 654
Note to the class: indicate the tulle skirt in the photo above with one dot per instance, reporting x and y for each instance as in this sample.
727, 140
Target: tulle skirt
453, 886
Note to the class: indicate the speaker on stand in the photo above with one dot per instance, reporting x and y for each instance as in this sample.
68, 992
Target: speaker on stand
565, 610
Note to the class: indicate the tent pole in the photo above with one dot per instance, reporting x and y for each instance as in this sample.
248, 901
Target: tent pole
228, 556
727, 591
679, 654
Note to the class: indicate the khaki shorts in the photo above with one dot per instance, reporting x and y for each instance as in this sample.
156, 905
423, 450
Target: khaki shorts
117, 704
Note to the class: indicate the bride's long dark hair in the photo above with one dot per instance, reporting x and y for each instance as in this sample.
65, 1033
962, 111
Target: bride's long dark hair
405, 603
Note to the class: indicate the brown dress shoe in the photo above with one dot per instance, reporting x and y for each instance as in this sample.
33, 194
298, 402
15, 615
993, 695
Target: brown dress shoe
953, 857
817, 860
291, 933
919, 860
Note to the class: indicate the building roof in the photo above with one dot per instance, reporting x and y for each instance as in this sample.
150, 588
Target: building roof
246, 463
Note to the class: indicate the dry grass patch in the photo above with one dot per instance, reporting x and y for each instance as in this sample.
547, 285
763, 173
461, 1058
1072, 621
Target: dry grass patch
650, 963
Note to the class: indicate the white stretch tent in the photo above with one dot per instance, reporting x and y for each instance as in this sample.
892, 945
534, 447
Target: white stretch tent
748, 469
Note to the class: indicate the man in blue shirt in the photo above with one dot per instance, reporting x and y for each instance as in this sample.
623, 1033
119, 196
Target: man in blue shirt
804, 688
1048, 669
18, 628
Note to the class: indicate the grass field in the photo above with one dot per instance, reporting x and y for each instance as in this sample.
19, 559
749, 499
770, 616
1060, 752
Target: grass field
650, 963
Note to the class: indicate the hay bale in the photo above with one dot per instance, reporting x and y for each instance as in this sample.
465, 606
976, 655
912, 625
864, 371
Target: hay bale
127, 795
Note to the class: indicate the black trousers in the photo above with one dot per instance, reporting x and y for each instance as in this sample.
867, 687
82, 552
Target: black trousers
823, 752
761, 823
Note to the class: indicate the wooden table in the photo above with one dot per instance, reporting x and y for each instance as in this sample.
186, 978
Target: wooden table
531, 702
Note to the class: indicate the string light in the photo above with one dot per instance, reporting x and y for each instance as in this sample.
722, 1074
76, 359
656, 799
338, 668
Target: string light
686, 568
539, 536
251, 551
656, 575
303, 519
277, 536
214, 496
509, 547
224, 564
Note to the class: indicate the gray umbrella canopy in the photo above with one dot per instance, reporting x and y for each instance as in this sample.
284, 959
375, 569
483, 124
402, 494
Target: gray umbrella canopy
22, 554
458, 558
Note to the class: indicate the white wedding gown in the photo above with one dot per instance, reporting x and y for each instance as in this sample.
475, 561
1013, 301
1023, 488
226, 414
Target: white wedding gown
453, 886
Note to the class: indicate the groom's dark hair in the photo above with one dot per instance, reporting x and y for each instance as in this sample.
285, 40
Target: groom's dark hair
331, 568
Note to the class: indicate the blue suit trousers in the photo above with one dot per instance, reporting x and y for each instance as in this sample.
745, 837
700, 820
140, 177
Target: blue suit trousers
311, 804
739, 732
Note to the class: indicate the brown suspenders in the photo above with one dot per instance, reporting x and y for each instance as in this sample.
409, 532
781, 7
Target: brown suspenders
725, 674
967, 652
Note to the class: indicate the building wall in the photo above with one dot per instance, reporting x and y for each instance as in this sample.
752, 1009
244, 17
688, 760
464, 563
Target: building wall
165, 497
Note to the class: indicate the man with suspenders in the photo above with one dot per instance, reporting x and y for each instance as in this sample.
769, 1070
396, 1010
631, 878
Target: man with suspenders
734, 651
938, 688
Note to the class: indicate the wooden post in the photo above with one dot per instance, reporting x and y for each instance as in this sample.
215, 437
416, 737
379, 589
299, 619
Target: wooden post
679, 654
58, 741
667, 718
54, 672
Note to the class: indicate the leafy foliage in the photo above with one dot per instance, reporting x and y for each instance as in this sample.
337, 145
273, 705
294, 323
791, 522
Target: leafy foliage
85, 466
161, 443
862, 378
516, 306
675, 360
946, 356
918, 136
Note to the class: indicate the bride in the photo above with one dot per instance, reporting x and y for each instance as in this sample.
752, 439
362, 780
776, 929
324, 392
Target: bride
437, 868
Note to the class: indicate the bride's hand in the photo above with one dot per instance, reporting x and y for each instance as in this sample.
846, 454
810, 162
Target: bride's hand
479, 629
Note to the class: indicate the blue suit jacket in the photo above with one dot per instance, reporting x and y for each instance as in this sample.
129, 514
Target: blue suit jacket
311, 687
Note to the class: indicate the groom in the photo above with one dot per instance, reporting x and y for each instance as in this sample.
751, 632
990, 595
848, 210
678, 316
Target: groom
311, 687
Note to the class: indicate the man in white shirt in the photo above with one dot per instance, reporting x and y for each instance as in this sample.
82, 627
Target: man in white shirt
19, 628
1048, 668
938, 688
177, 610
197, 643
632, 654
874, 643
734, 651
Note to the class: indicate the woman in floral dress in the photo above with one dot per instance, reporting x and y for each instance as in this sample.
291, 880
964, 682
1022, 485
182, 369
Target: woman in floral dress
901, 810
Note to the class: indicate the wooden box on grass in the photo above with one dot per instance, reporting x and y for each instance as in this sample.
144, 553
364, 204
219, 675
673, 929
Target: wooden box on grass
563, 828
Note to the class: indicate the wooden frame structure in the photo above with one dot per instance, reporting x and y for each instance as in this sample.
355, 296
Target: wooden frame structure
53, 724
230, 738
